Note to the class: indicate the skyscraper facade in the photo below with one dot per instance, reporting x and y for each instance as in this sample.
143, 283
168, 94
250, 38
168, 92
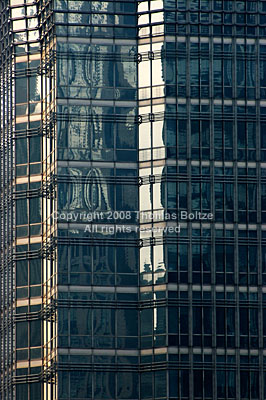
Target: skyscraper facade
133, 199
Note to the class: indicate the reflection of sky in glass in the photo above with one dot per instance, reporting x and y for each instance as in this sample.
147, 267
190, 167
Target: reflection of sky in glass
143, 6
145, 197
156, 4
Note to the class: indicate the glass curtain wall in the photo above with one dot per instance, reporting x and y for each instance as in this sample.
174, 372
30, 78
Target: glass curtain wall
201, 135
133, 199
21, 210
6, 214
91, 276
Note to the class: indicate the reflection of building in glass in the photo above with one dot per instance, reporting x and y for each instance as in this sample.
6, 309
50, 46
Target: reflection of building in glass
131, 109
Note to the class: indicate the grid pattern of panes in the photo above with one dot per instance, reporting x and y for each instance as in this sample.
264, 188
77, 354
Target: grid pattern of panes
92, 278
204, 17
134, 114
6, 211
201, 148
21, 356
